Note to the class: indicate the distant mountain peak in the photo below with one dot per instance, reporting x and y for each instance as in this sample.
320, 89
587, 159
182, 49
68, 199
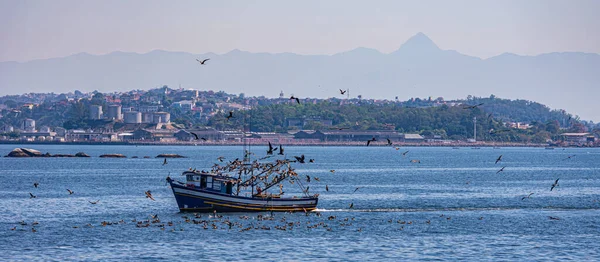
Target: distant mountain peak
419, 42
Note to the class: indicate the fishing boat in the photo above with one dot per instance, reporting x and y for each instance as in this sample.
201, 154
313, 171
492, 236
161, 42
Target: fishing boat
242, 186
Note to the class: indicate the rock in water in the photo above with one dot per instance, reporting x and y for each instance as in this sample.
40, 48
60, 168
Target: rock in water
81, 154
113, 156
169, 156
24, 152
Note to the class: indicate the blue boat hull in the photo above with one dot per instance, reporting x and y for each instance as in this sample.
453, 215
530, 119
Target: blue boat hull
195, 200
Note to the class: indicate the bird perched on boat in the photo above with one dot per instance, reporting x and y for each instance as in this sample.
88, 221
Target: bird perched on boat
351, 206
473, 106
371, 140
165, 162
280, 149
528, 196
300, 159
270, 151
149, 195
555, 184
36, 184
499, 159
94, 202
297, 100
70, 191
501, 169
32, 196
326, 188
202, 61
343, 91
230, 115
389, 142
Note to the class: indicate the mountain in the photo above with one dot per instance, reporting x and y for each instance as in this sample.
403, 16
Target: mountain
419, 68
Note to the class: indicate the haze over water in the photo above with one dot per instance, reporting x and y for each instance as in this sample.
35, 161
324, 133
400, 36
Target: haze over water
473, 212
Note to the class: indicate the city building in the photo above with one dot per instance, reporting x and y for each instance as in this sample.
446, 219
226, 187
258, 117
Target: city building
132, 117
114, 112
95, 112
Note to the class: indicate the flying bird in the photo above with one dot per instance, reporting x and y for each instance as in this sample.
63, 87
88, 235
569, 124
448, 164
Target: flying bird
405, 152
501, 169
356, 189
332, 171
94, 202
202, 61
300, 159
499, 159
343, 91
70, 191
555, 184
326, 188
389, 142
195, 135
307, 178
280, 149
351, 206
473, 106
270, 151
297, 100
32, 195
371, 140
220, 158
528, 196
36, 184
230, 115
311, 160
149, 195
165, 162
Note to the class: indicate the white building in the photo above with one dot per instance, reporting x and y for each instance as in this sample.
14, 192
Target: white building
132, 117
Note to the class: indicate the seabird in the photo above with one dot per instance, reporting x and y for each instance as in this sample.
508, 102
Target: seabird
371, 140
300, 159
94, 202
270, 151
230, 115
501, 169
343, 91
528, 196
389, 142
555, 184
351, 206
499, 159
31, 195
297, 100
202, 61
280, 149
36, 184
149, 195
70, 191
356, 189
165, 162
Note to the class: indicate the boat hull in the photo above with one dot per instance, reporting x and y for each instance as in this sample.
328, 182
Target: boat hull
195, 200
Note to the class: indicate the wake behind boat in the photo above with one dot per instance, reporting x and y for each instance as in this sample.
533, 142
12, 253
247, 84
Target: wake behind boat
241, 187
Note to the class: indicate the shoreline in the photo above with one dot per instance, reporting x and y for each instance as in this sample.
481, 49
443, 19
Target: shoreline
295, 143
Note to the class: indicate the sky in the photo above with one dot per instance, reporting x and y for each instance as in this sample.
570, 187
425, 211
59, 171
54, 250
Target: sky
46, 29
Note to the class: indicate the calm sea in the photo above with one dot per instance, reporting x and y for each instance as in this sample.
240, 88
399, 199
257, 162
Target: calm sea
453, 205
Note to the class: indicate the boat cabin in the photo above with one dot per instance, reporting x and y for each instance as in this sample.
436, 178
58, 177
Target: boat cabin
208, 182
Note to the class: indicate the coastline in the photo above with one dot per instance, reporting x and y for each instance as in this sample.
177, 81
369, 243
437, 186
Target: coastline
292, 143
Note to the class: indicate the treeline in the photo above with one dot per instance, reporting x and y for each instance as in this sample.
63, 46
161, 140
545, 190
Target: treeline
451, 122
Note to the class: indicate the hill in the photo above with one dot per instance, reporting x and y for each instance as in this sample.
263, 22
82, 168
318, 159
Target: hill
419, 68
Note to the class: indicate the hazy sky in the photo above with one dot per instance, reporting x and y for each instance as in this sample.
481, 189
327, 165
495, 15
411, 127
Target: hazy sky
44, 29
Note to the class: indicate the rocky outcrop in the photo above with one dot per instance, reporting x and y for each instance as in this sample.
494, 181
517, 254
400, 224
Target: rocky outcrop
63, 155
81, 154
113, 156
169, 156
25, 152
